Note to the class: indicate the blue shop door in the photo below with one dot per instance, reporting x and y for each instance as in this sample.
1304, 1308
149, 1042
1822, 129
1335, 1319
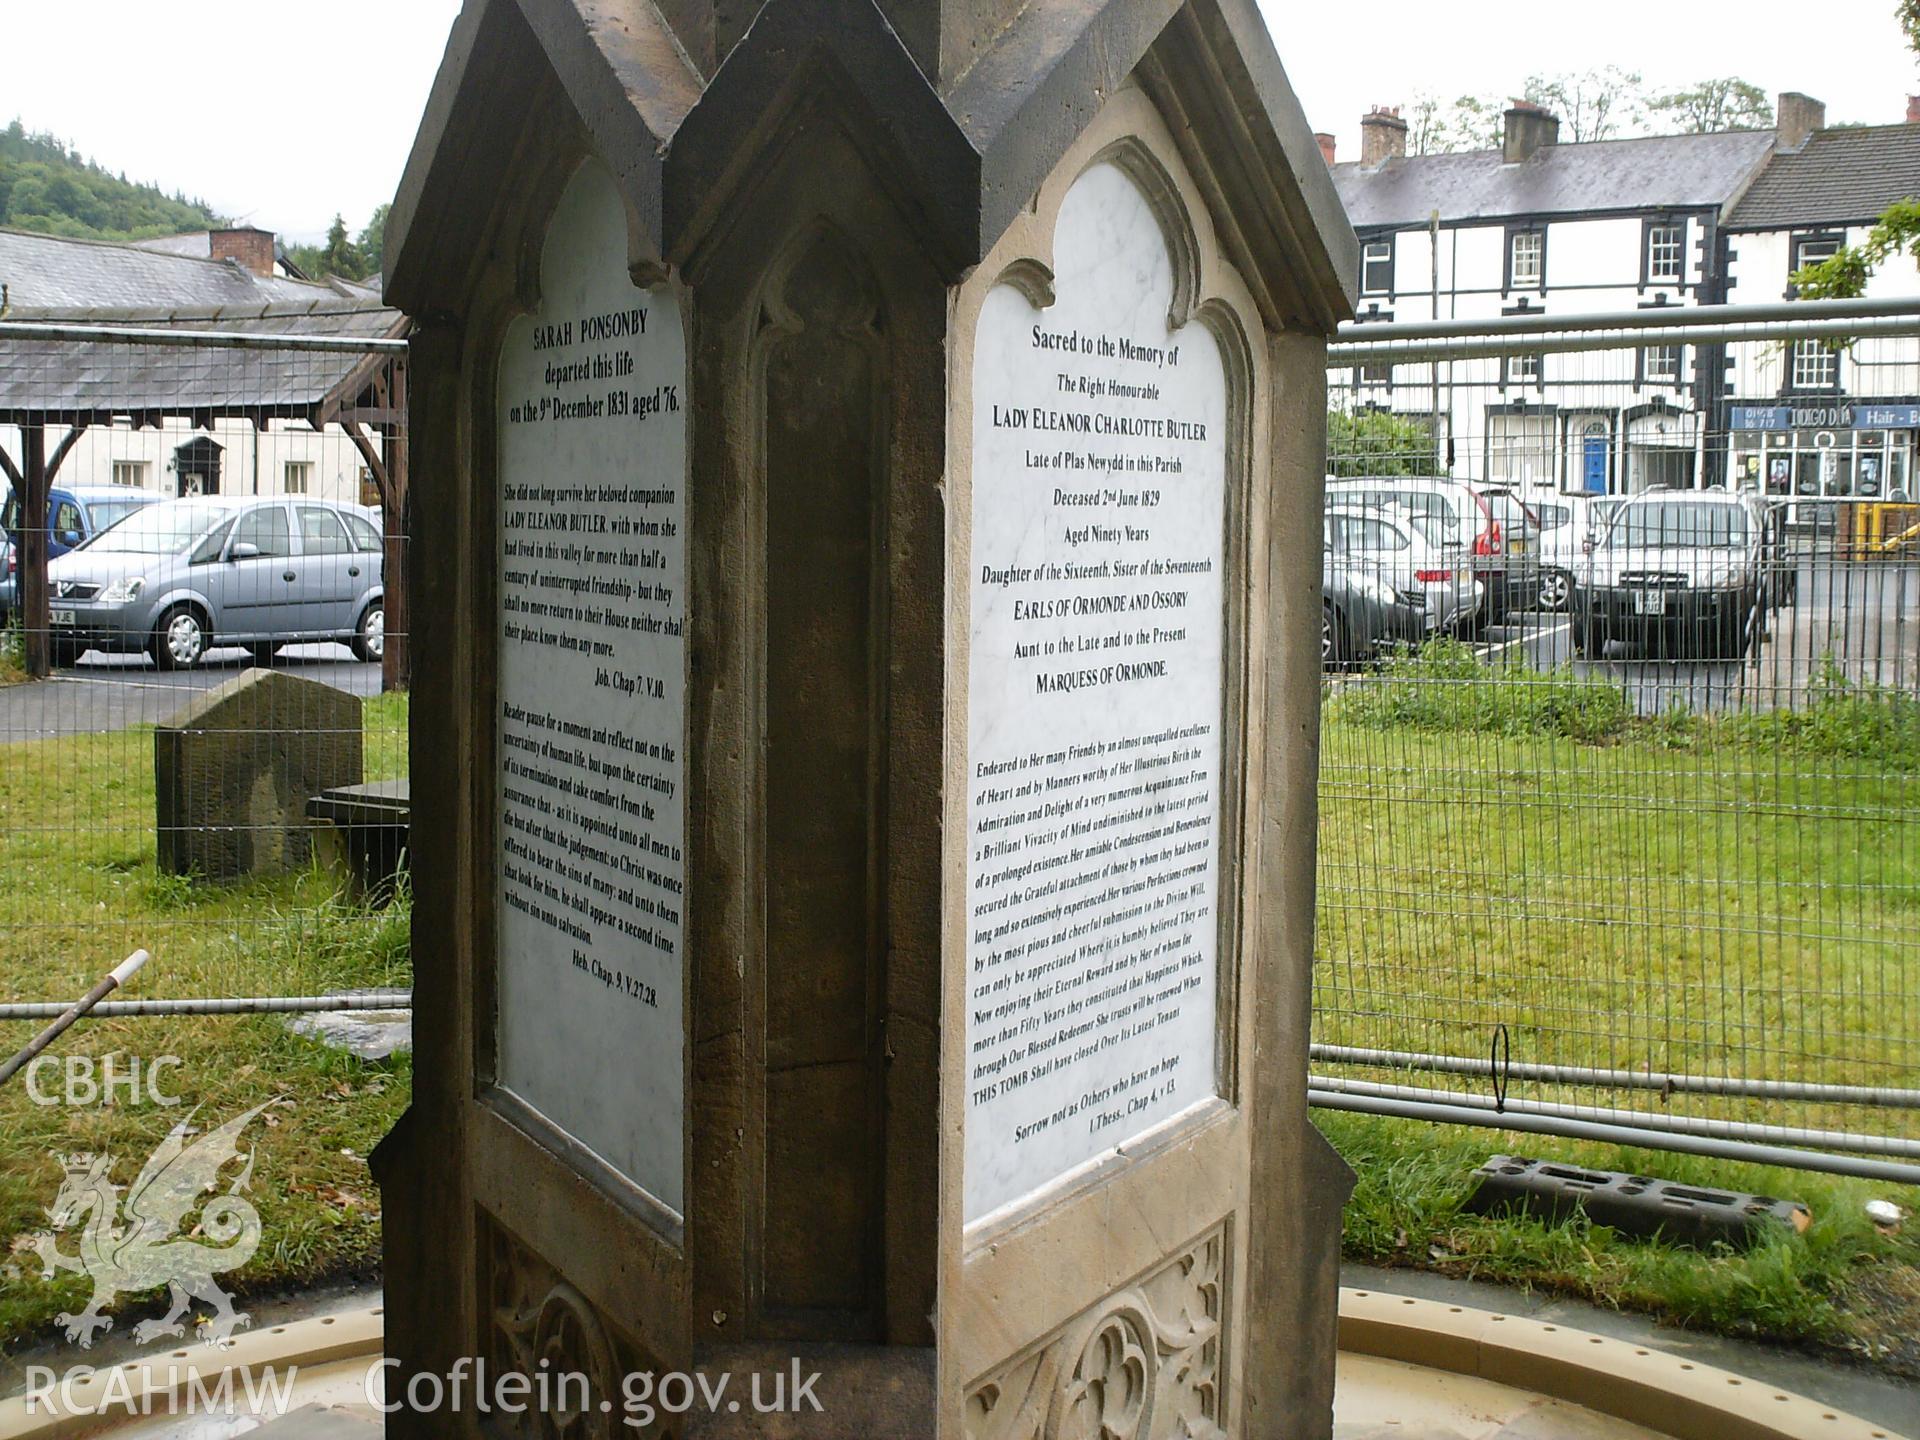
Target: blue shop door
1594, 455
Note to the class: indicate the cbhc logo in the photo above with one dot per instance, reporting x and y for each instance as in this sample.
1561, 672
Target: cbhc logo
82, 1080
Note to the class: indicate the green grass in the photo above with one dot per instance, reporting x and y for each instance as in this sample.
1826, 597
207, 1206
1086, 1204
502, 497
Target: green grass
77, 848
1839, 1285
1733, 895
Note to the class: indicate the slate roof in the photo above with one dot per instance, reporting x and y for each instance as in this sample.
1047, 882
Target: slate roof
1839, 175
99, 378
90, 282
51, 271
1661, 172
199, 245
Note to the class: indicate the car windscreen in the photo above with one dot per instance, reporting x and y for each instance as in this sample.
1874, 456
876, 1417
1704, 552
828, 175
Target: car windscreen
1430, 529
107, 513
1668, 525
1509, 512
163, 529
1423, 505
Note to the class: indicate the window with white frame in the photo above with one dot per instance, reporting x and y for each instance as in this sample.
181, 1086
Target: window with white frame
298, 477
1666, 252
1523, 369
1812, 249
1376, 268
1519, 449
1816, 365
1662, 364
1377, 375
1528, 257
132, 473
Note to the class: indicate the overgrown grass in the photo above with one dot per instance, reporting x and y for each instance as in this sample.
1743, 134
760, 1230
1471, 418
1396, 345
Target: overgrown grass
1840, 718
13, 656
77, 848
1444, 686
1809, 1288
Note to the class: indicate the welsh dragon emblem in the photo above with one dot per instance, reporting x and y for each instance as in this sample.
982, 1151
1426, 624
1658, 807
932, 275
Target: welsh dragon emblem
136, 1245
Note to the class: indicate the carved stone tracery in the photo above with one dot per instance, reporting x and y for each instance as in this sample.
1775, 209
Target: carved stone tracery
1142, 1364
541, 1327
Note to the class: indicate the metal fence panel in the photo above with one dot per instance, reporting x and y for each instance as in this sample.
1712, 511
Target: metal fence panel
202, 723
1634, 842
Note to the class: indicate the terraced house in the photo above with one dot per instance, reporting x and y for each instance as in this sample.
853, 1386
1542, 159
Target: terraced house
1540, 227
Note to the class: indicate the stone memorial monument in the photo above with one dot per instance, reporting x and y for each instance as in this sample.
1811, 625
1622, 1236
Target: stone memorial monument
233, 772
868, 460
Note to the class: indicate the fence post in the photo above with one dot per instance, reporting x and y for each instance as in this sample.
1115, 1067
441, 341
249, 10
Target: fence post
35, 616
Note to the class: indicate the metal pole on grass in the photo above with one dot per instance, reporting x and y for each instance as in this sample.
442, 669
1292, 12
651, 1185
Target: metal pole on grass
109, 983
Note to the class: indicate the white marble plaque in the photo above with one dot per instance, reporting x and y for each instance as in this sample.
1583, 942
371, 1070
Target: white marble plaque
1095, 705
591, 875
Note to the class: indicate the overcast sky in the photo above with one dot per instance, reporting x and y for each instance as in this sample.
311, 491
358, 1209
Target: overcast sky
280, 121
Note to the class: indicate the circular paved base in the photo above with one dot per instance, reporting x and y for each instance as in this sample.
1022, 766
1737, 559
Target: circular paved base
1408, 1369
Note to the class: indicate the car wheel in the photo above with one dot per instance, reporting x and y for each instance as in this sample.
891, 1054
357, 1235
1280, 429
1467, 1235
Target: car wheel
180, 639
1333, 639
1556, 590
370, 639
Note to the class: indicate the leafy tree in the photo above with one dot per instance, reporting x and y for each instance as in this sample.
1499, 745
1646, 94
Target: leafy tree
1601, 104
1844, 276
1437, 127
1897, 232
1728, 103
372, 241
349, 259
1478, 123
1377, 442
48, 187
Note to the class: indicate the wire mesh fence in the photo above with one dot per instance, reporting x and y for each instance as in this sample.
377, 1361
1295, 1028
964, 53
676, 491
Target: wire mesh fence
203, 754
1620, 817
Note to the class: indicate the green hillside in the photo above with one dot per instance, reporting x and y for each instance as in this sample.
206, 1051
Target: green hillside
44, 186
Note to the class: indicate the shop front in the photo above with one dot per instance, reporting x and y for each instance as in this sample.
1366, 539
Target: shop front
1851, 450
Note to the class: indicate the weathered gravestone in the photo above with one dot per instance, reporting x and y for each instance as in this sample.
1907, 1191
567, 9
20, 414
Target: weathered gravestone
234, 770
870, 460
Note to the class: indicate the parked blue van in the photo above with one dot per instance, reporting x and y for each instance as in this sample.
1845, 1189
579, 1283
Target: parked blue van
75, 513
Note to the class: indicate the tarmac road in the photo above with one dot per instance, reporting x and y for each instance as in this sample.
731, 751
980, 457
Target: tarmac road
110, 692
1866, 617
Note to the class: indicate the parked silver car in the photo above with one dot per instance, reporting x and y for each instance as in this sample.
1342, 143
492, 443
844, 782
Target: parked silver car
1462, 517
1685, 571
1567, 524
1420, 584
182, 576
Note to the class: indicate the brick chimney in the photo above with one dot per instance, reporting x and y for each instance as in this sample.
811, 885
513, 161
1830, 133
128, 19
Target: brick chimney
1383, 135
253, 249
1530, 130
1797, 117
1913, 109
1326, 143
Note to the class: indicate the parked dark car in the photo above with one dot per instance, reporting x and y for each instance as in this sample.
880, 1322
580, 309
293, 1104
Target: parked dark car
180, 577
75, 514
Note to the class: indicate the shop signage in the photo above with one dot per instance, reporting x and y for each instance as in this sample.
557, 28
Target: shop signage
1823, 417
